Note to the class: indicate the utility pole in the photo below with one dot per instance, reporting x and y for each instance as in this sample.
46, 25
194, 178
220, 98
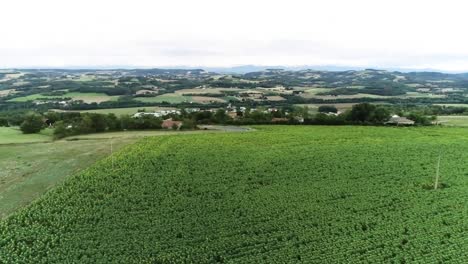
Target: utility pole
112, 152
436, 184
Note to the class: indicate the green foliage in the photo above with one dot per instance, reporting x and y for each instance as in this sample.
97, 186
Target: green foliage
60, 130
368, 113
32, 124
188, 124
419, 119
220, 116
4, 122
327, 109
276, 195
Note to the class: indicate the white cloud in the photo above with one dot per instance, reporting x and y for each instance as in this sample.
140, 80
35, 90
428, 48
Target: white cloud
398, 33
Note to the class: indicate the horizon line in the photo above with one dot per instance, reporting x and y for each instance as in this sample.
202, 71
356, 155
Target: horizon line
200, 67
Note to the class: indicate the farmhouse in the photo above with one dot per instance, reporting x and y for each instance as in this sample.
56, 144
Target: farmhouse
279, 120
397, 120
299, 119
146, 92
170, 124
233, 114
159, 113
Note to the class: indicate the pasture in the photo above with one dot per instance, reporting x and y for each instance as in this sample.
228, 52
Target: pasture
86, 97
175, 98
276, 195
207, 99
31, 169
170, 98
454, 120
202, 91
13, 135
453, 105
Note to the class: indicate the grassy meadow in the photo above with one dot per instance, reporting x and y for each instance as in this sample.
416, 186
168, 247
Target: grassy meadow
31, 169
86, 97
454, 120
170, 98
13, 135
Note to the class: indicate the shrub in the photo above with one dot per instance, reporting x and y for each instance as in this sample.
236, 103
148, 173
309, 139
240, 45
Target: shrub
32, 124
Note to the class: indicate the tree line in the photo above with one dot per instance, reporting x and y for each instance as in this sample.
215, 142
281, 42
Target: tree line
75, 123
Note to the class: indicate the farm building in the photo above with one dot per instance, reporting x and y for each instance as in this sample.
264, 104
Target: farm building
233, 114
170, 124
398, 120
279, 120
146, 92
299, 119
159, 113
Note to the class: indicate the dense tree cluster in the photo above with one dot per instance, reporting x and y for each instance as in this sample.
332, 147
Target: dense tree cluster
73, 123
76, 123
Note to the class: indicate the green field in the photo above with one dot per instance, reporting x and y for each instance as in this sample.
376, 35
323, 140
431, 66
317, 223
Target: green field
29, 170
10, 135
461, 121
276, 195
32, 164
125, 111
170, 98
86, 97
144, 133
453, 105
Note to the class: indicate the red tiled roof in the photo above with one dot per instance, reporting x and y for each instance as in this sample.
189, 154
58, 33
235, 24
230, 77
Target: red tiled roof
169, 123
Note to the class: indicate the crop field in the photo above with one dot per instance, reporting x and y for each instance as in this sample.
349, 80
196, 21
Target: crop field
86, 97
275, 195
207, 99
175, 98
170, 98
206, 91
454, 105
460, 121
352, 96
7, 92
421, 95
314, 93
31, 165
28, 170
275, 98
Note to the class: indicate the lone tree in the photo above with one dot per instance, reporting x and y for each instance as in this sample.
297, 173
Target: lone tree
32, 124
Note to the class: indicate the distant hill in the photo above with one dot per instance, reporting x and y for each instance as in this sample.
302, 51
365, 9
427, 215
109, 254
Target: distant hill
241, 69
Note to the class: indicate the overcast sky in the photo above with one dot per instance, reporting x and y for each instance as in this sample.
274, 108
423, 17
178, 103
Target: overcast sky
150, 33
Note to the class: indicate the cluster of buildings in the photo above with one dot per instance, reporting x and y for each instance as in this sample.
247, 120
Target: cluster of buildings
158, 113
165, 112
